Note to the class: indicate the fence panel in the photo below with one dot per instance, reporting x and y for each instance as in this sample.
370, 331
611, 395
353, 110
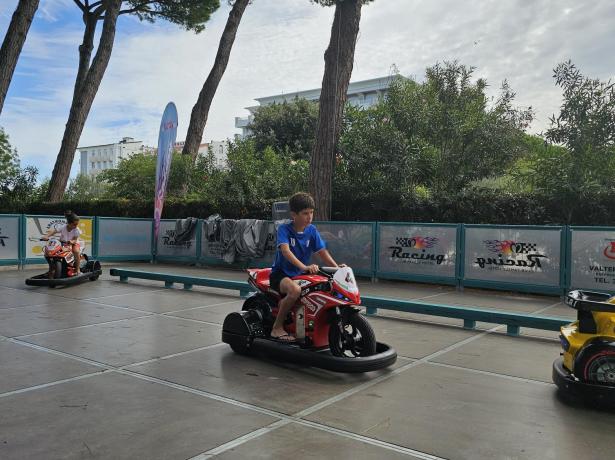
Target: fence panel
169, 249
10, 239
514, 257
124, 238
417, 251
591, 253
350, 243
37, 226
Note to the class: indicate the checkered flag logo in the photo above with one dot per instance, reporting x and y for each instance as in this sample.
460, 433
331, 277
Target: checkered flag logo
417, 242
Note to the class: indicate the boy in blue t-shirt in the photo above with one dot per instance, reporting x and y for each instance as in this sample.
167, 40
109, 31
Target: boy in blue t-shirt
297, 241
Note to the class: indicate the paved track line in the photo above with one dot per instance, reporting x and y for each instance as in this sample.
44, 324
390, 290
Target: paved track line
126, 293
240, 440
164, 315
181, 353
493, 374
50, 384
80, 327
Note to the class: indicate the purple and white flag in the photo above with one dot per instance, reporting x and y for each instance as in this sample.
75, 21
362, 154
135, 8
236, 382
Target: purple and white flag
166, 140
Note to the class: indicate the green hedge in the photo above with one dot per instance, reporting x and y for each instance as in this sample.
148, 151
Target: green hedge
477, 207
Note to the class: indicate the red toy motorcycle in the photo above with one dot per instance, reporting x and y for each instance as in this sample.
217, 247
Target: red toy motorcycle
60, 257
324, 318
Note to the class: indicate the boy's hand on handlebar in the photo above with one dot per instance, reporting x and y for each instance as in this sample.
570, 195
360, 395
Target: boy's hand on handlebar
312, 269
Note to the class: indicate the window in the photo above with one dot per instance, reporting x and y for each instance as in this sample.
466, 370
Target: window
93, 164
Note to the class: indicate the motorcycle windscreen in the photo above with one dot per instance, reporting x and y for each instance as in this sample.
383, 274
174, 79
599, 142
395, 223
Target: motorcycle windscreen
344, 277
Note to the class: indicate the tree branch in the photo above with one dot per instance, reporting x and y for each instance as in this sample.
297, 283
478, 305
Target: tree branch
81, 6
138, 7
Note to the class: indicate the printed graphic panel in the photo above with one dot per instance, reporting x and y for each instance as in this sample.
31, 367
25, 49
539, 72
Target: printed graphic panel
513, 255
36, 227
593, 260
417, 250
169, 247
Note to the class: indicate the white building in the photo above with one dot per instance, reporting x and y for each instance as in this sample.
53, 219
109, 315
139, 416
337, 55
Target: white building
360, 93
219, 149
97, 158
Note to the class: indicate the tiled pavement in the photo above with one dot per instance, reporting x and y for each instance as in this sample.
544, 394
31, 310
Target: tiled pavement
132, 370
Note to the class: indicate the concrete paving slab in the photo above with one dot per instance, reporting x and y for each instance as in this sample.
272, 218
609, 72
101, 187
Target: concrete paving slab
132, 340
294, 441
61, 314
213, 314
118, 417
416, 340
274, 385
461, 414
166, 300
24, 367
11, 298
100, 288
526, 358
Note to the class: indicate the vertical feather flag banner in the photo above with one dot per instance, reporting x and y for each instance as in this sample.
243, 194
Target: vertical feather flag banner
166, 140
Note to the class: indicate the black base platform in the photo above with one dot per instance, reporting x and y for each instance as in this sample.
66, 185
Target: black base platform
42, 280
294, 353
587, 392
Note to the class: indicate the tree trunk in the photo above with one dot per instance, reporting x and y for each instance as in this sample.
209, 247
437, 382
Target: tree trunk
200, 111
339, 59
85, 49
13, 43
82, 102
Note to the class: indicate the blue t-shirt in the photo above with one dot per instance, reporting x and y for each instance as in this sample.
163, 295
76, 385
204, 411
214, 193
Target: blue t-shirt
302, 245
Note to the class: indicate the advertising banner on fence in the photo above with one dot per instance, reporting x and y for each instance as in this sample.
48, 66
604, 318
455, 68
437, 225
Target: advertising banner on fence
592, 261
168, 246
417, 250
166, 139
121, 237
38, 226
350, 244
9, 238
513, 255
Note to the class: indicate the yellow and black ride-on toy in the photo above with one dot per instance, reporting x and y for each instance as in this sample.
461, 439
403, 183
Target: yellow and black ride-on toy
586, 368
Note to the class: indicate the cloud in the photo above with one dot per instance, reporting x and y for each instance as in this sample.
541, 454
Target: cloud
279, 49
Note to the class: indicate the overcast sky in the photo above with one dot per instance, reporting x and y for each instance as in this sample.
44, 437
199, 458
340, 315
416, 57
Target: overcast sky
279, 48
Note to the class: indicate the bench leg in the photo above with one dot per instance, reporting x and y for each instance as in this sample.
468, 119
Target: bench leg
371, 310
187, 286
123, 279
512, 330
168, 284
469, 324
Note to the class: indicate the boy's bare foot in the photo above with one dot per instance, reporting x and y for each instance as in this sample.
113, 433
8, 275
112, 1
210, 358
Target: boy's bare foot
282, 336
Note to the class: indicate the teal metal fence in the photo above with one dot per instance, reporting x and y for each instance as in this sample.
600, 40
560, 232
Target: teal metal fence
536, 259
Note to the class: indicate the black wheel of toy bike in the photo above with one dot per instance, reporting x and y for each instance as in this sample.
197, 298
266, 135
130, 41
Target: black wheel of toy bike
95, 267
355, 338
